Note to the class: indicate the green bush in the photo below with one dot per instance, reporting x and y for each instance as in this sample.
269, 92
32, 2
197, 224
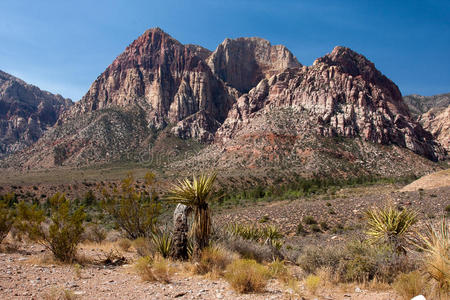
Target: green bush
301, 229
65, 230
133, 211
309, 220
6, 219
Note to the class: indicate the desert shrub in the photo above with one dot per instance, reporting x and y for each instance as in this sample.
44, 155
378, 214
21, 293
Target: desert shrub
65, 230
447, 210
153, 268
315, 228
59, 294
356, 261
409, 285
247, 276
6, 219
309, 220
435, 244
324, 226
301, 229
133, 211
312, 283
264, 219
89, 198
124, 244
94, 233
213, 259
143, 246
250, 249
391, 226
162, 243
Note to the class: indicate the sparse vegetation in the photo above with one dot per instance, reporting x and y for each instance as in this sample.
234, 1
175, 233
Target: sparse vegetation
409, 285
312, 283
214, 259
64, 232
6, 219
391, 226
135, 212
247, 276
153, 268
436, 246
196, 194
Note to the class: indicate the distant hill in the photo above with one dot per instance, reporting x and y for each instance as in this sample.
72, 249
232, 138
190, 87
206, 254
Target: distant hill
26, 112
433, 113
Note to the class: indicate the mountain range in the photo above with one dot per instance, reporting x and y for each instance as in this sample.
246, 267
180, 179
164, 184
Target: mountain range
248, 106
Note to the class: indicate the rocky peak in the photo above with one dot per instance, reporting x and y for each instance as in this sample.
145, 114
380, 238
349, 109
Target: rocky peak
243, 62
26, 112
344, 95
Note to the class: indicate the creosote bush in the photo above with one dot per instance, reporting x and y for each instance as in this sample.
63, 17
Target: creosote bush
65, 230
6, 219
135, 212
247, 276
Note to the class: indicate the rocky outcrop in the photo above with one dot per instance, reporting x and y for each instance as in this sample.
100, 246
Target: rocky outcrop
437, 121
172, 80
344, 95
421, 104
244, 62
26, 112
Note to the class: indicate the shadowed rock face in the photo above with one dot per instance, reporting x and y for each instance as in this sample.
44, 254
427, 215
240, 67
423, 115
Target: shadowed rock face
25, 113
244, 62
344, 95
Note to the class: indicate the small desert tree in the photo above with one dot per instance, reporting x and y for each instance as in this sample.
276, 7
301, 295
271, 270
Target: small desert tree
135, 212
64, 232
196, 194
391, 226
6, 219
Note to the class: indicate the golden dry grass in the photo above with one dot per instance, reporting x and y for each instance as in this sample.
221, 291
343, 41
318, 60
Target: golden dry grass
247, 276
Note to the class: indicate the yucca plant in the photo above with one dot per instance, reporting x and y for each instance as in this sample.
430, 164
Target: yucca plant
197, 194
271, 234
163, 243
391, 226
436, 246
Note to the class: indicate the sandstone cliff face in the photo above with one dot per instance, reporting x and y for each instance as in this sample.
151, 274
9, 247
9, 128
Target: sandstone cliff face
244, 62
344, 95
172, 80
25, 113
339, 115
437, 121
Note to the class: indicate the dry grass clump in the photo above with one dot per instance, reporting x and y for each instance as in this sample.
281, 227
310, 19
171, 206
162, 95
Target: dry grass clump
154, 268
409, 285
312, 283
143, 246
59, 294
213, 259
124, 244
436, 247
247, 276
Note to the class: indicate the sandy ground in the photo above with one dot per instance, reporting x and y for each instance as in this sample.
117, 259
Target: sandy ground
431, 181
24, 274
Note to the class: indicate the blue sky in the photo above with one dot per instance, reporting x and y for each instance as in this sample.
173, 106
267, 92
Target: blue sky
62, 46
